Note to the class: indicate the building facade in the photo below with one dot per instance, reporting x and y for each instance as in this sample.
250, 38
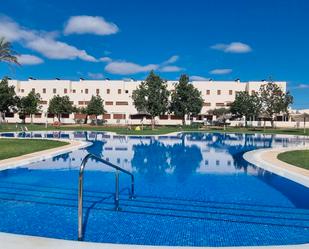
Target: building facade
118, 101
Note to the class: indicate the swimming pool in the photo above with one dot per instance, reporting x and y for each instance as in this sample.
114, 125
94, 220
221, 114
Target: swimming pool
191, 189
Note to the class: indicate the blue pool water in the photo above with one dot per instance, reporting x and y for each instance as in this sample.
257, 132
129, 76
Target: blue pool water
191, 189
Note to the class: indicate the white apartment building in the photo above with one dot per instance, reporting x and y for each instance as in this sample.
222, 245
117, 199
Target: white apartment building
117, 98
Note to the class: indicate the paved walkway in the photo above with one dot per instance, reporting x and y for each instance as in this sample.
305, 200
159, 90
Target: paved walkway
267, 159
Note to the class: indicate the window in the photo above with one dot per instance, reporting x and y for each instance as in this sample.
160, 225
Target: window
207, 104
252, 92
163, 117
207, 92
127, 91
44, 90
119, 116
65, 115
106, 116
38, 115
97, 91
33, 89
119, 91
74, 91
81, 91
43, 102
54, 90
109, 102
218, 92
80, 102
22, 90
230, 92
65, 90
122, 103
108, 91
86, 91
220, 104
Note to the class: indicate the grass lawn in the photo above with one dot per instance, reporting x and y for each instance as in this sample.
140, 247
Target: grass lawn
298, 158
159, 130
17, 147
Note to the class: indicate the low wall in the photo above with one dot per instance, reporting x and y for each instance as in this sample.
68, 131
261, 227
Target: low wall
278, 124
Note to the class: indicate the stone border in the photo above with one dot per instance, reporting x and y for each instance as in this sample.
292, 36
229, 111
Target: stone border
267, 159
14, 162
16, 241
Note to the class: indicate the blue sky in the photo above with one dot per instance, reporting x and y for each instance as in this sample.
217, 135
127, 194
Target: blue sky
219, 39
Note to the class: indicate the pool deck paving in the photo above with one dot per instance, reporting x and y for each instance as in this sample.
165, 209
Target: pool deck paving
13, 241
263, 158
267, 159
42, 155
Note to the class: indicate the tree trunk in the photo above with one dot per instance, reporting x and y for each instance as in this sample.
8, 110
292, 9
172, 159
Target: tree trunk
31, 116
2, 119
272, 122
59, 117
184, 120
246, 122
96, 120
86, 119
152, 123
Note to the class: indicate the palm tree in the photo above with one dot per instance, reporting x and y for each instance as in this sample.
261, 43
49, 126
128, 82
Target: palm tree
6, 53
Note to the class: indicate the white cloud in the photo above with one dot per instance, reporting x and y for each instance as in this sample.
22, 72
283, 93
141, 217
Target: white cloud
127, 68
221, 71
90, 25
198, 78
171, 60
41, 41
28, 59
96, 76
58, 50
105, 59
302, 86
168, 69
234, 47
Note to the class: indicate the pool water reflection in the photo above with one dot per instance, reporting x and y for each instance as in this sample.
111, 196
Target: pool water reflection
192, 189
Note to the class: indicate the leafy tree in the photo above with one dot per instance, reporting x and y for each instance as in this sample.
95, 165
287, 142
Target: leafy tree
7, 54
246, 105
60, 105
30, 104
151, 97
186, 99
8, 99
95, 107
274, 101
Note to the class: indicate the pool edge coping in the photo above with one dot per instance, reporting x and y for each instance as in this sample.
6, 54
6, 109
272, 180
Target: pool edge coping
267, 159
42, 155
16, 241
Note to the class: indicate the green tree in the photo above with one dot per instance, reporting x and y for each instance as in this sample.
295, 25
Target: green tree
60, 105
30, 105
7, 54
186, 99
95, 107
246, 105
151, 97
274, 101
8, 99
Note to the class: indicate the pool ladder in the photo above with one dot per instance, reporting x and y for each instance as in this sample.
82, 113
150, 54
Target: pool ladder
81, 183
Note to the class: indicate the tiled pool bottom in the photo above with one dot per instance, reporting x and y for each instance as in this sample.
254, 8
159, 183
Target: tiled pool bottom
222, 202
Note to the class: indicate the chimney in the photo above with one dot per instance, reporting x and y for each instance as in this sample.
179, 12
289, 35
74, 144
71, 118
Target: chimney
31, 78
237, 80
57, 79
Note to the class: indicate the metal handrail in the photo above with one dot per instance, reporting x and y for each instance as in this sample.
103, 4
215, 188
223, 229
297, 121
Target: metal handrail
81, 183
